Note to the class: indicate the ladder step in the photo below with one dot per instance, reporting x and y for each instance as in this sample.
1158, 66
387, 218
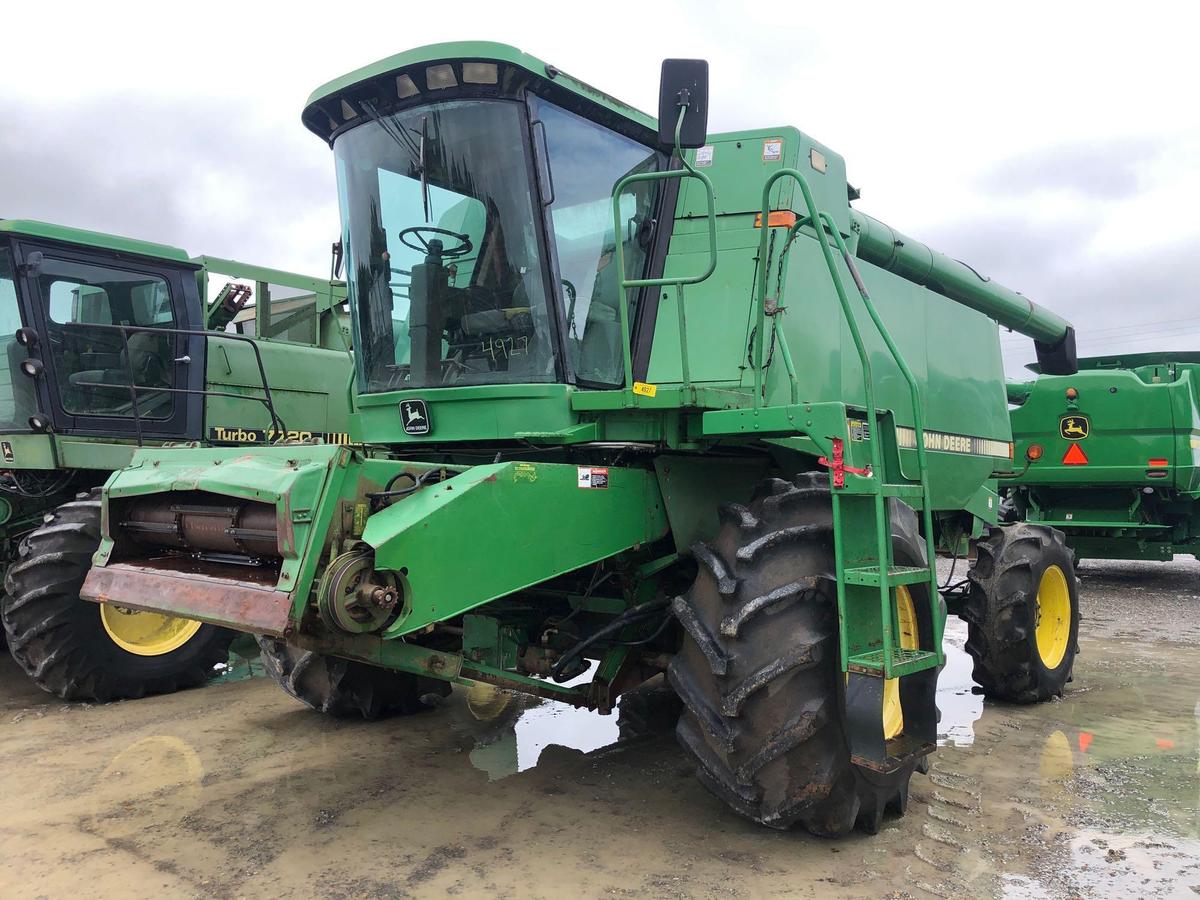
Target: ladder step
904, 662
871, 575
904, 491
912, 494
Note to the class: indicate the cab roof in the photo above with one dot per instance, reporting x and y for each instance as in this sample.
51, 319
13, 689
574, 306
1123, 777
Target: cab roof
324, 111
49, 231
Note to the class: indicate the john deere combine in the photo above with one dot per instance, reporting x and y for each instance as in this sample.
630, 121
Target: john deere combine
1113, 455
111, 345
630, 399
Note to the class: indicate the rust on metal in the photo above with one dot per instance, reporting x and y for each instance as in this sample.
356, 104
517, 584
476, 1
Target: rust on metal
239, 604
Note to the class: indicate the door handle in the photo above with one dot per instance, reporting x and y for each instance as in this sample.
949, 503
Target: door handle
183, 360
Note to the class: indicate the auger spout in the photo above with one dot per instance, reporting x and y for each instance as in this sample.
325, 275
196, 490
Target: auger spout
887, 248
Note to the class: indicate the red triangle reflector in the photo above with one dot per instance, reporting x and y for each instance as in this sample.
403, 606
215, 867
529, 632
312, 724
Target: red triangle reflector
1075, 456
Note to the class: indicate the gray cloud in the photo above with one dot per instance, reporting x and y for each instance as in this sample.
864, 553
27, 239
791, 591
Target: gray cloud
1100, 170
1133, 303
209, 180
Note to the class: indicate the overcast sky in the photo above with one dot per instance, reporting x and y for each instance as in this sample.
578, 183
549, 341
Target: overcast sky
1052, 146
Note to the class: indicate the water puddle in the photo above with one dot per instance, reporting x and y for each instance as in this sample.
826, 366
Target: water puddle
511, 730
243, 661
958, 707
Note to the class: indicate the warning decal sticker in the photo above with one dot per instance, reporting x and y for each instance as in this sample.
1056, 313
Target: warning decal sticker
593, 477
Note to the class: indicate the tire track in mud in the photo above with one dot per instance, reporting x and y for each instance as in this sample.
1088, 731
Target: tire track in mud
946, 842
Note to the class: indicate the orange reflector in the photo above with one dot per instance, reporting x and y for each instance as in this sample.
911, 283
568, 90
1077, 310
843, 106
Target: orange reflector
1033, 452
1157, 463
777, 218
1075, 456
1085, 741
1164, 744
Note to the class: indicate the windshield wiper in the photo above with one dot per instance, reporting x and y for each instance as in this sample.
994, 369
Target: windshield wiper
403, 139
424, 179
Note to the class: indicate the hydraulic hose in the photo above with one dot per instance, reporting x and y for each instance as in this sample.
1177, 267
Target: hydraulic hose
631, 615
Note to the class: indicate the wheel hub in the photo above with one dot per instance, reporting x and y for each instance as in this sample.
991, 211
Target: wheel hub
1053, 619
146, 633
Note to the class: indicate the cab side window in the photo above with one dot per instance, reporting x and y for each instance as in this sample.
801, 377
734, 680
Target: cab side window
17, 402
94, 363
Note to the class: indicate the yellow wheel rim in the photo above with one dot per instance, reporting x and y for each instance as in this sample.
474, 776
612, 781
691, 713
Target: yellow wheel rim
146, 633
910, 639
486, 702
1053, 617
1057, 761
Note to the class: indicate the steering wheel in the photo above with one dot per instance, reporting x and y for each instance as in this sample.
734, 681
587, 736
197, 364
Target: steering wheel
423, 235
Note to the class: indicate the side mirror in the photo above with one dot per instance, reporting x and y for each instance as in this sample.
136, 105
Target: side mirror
684, 82
33, 263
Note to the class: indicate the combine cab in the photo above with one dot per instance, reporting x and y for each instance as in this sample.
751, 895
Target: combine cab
630, 400
111, 345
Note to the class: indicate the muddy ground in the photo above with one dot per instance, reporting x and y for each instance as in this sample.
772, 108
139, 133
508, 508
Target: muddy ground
235, 790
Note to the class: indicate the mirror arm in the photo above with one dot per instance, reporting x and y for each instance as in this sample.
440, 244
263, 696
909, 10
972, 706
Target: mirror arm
683, 107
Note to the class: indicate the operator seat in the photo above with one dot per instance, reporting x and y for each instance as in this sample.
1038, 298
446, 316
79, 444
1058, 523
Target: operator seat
146, 354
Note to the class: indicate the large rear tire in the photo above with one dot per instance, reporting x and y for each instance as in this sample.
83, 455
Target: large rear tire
758, 672
1022, 613
90, 651
344, 688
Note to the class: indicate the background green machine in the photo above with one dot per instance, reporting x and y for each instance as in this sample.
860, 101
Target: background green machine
1113, 455
110, 344
630, 400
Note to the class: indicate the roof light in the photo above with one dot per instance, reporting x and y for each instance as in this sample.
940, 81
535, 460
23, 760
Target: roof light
348, 112
479, 73
405, 87
31, 368
440, 77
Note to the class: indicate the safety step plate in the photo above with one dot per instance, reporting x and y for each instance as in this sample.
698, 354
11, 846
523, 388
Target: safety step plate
870, 575
904, 662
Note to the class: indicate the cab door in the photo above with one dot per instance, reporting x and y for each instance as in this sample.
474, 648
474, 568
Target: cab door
114, 360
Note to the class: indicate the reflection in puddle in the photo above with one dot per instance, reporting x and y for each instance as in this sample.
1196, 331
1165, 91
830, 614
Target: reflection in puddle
1134, 865
511, 730
1102, 864
958, 706
243, 661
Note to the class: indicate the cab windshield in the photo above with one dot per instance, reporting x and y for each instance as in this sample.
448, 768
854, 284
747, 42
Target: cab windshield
444, 263
446, 266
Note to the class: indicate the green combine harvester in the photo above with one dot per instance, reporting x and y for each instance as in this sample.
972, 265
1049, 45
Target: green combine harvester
630, 400
1112, 455
114, 344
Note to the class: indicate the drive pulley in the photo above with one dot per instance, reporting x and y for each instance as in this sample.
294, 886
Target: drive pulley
355, 598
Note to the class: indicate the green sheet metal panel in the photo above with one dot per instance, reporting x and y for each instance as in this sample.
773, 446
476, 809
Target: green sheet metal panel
494, 529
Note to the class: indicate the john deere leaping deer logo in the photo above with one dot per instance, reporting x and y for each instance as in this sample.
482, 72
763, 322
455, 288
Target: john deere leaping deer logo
1074, 428
414, 416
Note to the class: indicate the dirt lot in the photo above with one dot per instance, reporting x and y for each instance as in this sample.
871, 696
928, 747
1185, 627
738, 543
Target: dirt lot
235, 790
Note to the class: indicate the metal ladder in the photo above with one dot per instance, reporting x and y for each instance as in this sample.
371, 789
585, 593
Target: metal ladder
872, 570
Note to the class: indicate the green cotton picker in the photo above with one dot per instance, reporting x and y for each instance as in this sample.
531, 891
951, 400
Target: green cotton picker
631, 400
